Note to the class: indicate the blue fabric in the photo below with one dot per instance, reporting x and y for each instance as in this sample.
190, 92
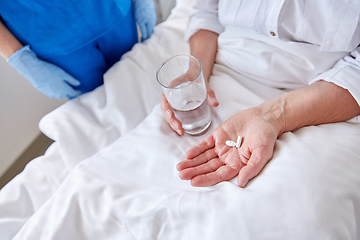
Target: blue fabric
88, 63
55, 27
83, 37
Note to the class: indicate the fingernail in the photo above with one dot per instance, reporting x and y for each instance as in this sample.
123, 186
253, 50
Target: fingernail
214, 100
246, 183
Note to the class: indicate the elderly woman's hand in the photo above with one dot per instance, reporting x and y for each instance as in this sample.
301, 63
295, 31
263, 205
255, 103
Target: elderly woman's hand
203, 46
174, 123
212, 161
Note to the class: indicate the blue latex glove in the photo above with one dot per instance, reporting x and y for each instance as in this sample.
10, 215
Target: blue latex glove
48, 78
145, 16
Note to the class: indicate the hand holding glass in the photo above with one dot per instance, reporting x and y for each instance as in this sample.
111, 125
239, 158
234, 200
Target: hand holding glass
183, 85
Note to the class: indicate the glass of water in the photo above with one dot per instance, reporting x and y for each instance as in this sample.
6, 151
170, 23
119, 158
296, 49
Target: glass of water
183, 85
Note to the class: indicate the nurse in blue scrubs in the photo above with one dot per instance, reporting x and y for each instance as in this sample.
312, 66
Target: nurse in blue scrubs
64, 47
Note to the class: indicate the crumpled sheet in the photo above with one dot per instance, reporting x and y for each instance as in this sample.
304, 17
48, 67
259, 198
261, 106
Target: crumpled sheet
111, 174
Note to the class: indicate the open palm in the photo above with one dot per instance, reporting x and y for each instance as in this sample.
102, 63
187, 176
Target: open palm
212, 161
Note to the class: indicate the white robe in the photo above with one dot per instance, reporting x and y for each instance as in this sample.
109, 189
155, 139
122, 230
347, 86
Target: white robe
286, 44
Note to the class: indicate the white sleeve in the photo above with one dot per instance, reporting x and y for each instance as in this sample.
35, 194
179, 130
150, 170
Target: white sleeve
204, 17
346, 74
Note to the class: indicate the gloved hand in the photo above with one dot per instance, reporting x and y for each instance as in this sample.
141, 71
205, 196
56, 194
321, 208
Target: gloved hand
145, 16
48, 78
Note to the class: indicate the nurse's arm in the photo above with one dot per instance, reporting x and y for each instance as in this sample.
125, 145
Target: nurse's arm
8, 42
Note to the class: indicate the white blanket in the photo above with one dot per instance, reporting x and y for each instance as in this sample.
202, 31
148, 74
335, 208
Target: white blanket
111, 174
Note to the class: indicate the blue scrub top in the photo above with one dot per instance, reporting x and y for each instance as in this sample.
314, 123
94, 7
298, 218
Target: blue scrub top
58, 27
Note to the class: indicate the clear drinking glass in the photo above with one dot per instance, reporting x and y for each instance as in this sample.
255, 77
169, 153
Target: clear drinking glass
183, 84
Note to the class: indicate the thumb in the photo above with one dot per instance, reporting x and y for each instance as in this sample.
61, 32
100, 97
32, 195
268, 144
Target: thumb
144, 31
256, 163
211, 98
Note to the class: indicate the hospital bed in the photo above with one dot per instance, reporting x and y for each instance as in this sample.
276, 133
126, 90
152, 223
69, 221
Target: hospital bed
111, 172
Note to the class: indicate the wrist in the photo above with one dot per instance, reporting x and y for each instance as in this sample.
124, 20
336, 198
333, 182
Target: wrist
274, 113
25, 62
10, 51
22, 56
203, 46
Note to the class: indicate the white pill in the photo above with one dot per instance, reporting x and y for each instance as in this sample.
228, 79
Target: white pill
230, 143
238, 142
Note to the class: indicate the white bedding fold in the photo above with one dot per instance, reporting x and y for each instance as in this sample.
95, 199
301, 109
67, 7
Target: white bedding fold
131, 189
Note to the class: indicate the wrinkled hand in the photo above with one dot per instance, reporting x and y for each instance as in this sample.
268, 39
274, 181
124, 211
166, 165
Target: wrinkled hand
48, 78
145, 16
174, 123
212, 161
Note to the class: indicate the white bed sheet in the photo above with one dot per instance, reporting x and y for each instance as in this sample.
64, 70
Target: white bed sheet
103, 179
